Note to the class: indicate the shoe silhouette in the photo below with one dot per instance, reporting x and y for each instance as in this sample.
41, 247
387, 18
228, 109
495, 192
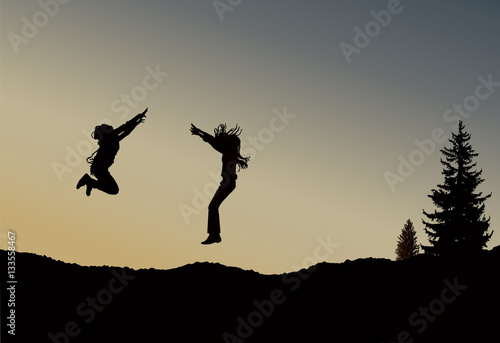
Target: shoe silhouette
83, 181
212, 238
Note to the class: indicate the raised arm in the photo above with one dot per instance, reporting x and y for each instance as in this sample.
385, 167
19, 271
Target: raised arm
206, 137
125, 129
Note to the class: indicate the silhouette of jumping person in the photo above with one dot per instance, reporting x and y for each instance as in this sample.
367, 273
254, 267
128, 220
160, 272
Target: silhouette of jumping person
109, 144
227, 143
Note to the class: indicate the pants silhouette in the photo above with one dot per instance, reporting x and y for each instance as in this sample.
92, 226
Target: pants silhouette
105, 182
225, 188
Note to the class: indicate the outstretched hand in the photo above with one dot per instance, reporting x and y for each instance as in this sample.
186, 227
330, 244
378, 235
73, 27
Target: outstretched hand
142, 116
195, 130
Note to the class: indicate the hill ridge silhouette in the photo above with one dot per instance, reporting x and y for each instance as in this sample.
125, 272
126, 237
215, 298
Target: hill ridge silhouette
365, 300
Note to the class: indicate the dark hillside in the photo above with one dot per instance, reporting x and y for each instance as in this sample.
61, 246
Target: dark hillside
422, 299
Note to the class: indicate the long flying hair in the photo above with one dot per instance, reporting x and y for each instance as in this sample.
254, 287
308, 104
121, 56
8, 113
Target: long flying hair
231, 139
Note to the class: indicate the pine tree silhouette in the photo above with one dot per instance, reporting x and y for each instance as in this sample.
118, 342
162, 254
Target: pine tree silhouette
407, 242
459, 226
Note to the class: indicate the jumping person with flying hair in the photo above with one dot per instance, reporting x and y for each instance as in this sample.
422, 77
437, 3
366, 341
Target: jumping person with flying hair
227, 143
109, 144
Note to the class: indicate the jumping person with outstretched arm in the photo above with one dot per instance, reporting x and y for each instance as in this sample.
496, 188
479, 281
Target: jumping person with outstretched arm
228, 144
109, 144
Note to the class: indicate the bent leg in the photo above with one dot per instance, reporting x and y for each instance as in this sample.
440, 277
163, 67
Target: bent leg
105, 182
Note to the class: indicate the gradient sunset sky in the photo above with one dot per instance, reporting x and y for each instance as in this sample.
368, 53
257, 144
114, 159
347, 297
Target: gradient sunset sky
323, 127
